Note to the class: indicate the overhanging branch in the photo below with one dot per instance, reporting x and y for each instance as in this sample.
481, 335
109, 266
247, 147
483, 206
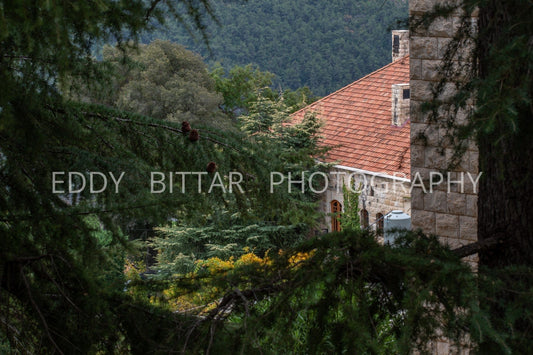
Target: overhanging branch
141, 123
155, 125
473, 248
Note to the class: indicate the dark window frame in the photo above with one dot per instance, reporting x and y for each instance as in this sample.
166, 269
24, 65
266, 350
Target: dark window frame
396, 44
336, 209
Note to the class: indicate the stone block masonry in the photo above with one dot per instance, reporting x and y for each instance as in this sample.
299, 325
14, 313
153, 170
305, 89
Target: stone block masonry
379, 194
452, 215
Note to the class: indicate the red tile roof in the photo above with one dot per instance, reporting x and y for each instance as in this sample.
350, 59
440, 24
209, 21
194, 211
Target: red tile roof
358, 123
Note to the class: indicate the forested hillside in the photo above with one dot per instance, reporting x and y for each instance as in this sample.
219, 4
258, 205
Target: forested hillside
320, 44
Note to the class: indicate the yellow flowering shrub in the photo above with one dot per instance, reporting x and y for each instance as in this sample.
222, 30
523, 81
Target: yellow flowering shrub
207, 294
296, 259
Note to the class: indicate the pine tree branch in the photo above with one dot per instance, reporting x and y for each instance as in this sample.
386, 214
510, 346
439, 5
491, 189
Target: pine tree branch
23, 57
145, 124
165, 127
81, 213
481, 245
38, 310
155, 125
27, 259
109, 145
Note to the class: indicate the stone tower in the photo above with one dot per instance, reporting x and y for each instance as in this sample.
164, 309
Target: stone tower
450, 209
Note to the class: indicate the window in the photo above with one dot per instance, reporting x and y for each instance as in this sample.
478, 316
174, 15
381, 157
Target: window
336, 209
396, 44
364, 218
406, 94
379, 224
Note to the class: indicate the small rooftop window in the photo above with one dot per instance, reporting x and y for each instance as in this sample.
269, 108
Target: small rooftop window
396, 44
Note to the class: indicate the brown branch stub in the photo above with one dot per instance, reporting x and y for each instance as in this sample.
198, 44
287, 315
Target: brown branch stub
478, 246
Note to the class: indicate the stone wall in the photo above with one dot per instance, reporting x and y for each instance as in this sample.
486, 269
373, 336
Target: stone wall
446, 211
379, 193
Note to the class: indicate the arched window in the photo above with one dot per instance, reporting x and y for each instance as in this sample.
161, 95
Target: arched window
336, 209
379, 224
364, 218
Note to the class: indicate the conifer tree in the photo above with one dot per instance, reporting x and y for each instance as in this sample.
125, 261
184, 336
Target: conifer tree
225, 232
54, 296
62, 245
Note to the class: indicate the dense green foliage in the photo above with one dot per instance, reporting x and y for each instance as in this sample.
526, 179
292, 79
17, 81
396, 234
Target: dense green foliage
180, 248
227, 231
350, 220
165, 81
319, 44
53, 296
242, 86
61, 257
345, 293
162, 80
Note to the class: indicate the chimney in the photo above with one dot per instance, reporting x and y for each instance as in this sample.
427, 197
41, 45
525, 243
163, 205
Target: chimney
400, 104
400, 44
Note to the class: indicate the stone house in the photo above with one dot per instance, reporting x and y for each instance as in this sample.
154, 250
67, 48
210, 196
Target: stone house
367, 126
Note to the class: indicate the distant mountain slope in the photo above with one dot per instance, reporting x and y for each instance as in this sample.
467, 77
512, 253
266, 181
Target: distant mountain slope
321, 44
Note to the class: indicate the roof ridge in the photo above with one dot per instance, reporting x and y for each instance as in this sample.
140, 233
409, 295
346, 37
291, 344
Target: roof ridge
358, 124
351, 84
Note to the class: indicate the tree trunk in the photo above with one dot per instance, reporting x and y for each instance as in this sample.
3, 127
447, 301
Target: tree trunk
506, 154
